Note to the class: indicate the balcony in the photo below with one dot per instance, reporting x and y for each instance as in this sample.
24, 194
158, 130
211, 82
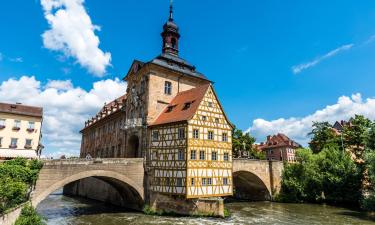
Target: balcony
16, 128
28, 146
2, 127
30, 130
12, 146
133, 123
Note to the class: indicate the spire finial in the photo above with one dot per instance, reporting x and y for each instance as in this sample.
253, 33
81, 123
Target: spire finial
171, 10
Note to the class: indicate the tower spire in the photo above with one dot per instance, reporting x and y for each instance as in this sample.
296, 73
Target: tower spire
171, 10
170, 34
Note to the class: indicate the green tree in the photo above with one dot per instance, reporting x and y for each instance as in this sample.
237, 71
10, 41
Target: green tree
342, 179
244, 142
356, 135
370, 142
368, 201
29, 216
329, 176
322, 136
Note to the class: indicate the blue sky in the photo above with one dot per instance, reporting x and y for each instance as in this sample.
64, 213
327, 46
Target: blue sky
275, 63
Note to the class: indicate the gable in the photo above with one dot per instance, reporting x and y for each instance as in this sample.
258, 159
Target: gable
134, 68
211, 108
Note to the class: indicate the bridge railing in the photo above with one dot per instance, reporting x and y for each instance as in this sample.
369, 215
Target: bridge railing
84, 161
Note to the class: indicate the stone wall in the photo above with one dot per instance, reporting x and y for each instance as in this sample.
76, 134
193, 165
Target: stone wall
11, 217
179, 205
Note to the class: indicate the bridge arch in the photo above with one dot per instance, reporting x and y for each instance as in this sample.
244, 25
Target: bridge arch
249, 186
111, 177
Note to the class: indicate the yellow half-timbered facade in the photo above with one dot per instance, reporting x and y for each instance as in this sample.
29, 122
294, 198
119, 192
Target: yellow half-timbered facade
190, 146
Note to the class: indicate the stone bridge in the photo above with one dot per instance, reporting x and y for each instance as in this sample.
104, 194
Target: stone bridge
122, 181
126, 176
256, 179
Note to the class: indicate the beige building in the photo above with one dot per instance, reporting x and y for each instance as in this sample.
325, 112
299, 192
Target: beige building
20, 131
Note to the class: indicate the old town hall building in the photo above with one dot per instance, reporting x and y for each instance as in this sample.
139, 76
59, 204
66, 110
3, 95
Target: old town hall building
171, 116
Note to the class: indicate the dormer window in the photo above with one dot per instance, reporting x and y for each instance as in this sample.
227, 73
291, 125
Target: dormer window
186, 106
168, 88
170, 108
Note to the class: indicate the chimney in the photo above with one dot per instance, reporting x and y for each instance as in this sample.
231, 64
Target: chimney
268, 137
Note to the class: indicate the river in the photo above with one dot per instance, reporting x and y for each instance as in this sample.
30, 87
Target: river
61, 210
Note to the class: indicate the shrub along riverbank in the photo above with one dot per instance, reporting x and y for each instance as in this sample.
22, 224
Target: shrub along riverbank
338, 168
17, 178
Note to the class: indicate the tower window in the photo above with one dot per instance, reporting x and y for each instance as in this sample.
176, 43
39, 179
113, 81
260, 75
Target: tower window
174, 43
168, 88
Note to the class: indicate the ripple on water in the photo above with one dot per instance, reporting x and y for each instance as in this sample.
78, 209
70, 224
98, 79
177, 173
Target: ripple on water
61, 210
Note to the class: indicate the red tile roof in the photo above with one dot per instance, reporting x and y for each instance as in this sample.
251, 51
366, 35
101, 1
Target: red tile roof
21, 109
279, 140
176, 111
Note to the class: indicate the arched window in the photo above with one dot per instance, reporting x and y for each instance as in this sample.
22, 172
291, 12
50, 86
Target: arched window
174, 43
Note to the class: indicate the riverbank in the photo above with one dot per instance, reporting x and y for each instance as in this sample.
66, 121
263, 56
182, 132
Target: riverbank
62, 210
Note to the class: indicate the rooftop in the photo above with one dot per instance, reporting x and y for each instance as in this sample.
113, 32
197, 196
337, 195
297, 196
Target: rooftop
21, 109
183, 106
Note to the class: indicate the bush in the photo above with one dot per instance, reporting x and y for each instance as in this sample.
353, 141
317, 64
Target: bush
12, 193
16, 178
329, 176
29, 216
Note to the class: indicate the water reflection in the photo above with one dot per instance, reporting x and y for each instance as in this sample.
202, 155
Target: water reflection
62, 210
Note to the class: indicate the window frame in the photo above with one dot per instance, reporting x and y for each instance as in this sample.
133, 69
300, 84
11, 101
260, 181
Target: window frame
11, 142
224, 137
191, 154
210, 135
225, 181
196, 133
168, 88
204, 181
17, 124
180, 155
204, 155
214, 153
155, 135
226, 156
179, 182
181, 133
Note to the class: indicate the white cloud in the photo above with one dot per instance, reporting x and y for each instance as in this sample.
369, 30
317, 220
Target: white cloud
298, 128
299, 68
60, 84
17, 59
72, 32
66, 107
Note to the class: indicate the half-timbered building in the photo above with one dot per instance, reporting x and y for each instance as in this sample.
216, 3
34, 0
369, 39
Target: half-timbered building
172, 117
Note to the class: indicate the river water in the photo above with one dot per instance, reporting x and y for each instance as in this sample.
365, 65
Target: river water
61, 210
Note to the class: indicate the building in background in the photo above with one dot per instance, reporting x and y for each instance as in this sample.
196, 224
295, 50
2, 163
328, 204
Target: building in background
102, 137
20, 131
280, 147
